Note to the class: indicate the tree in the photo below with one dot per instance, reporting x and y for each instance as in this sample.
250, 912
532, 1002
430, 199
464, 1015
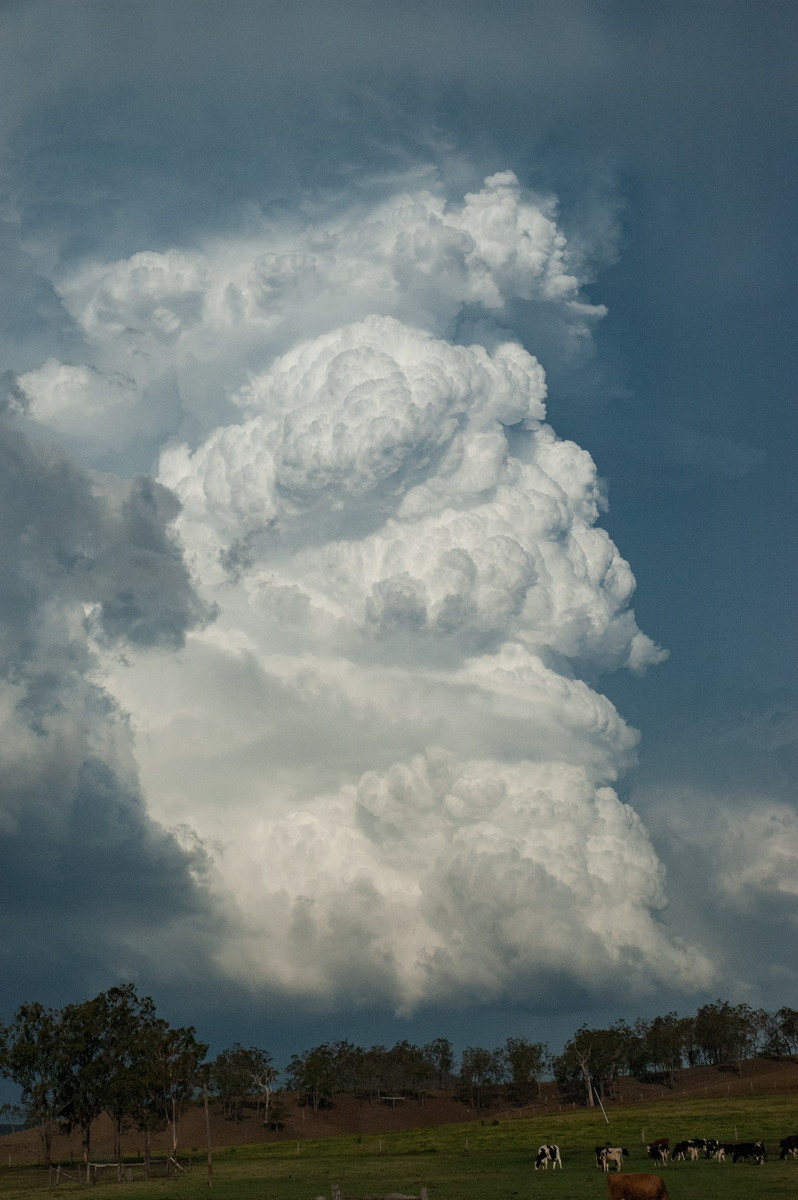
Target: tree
594, 1058
781, 1036
264, 1082
314, 1073
440, 1053
526, 1062
130, 1029
177, 1056
84, 1066
29, 1050
237, 1072
725, 1032
572, 1068
480, 1069
664, 1043
788, 1027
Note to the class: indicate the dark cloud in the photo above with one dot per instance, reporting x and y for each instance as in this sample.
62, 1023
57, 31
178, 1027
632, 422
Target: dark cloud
85, 871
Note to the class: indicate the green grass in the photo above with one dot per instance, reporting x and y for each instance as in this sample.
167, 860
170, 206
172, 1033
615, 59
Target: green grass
491, 1160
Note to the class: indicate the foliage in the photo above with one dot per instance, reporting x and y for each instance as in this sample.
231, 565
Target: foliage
593, 1059
29, 1055
440, 1054
177, 1056
526, 1064
480, 1071
238, 1072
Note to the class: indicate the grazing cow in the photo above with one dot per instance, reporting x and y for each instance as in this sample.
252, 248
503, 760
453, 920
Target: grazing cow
659, 1150
743, 1151
711, 1147
611, 1155
687, 1149
637, 1186
546, 1155
789, 1146
719, 1154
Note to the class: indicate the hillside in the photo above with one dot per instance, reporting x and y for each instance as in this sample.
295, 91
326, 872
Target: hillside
360, 1115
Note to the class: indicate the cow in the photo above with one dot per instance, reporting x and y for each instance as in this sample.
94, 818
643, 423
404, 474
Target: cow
687, 1149
546, 1155
606, 1156
789, 1146
659, 1150
637, 1186
745, 1151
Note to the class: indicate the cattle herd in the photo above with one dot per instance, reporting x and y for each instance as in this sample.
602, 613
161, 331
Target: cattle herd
642, 1186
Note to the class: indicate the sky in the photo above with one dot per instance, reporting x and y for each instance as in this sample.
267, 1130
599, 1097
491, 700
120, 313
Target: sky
398, 561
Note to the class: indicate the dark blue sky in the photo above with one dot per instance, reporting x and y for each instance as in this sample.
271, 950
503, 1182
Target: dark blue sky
257, 146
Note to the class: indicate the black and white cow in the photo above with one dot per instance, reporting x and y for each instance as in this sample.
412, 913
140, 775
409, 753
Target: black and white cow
687, 1149
659, 1150
749, 1151
789, 1146
609, 1156
546, 1155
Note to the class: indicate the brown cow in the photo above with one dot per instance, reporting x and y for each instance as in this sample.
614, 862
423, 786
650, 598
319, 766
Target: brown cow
637, 1186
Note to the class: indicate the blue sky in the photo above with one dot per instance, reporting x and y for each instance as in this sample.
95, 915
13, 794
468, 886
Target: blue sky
351, 352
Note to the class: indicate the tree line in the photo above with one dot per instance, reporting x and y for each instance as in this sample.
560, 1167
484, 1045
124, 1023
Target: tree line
113, 1054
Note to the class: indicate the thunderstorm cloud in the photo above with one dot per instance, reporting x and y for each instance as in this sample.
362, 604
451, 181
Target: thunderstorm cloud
386, 597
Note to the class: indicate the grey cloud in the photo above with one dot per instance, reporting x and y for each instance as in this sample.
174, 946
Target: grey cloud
78, 850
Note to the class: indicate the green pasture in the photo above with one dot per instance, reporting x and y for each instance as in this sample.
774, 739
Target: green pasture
491, 1160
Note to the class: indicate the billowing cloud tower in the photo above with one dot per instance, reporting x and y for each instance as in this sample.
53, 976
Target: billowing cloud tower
385, 739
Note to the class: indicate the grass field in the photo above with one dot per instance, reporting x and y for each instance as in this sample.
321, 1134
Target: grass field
488, 1161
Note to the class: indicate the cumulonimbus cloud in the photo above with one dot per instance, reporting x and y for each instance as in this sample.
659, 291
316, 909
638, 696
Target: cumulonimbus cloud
385, 739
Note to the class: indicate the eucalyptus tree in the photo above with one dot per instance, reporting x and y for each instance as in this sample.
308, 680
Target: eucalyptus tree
176, 1064
131, 1027
314, 1073
480, 1071
526, 1062
440, 1053
593, 1059
725, 1032
85, 1065
29, 1056
665, 1043
239, 1071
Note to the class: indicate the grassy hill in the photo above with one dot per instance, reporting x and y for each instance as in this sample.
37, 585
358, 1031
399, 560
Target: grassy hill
485, 1157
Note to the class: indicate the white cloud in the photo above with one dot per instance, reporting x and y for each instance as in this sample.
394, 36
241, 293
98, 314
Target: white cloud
748, 848
392, 576
439, 878
93, 410
214, 315
383, 740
